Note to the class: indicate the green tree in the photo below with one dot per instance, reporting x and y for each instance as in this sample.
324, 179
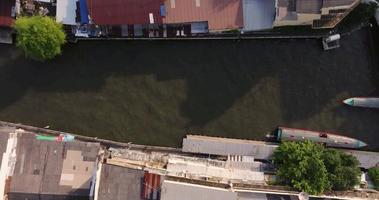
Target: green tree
300, 165
40, 37
373, 173
343, 169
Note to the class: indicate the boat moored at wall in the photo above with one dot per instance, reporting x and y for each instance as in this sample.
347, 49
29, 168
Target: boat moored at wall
330, 140
365, 102
60, 138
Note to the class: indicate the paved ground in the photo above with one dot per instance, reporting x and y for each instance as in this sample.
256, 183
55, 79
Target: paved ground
155, 92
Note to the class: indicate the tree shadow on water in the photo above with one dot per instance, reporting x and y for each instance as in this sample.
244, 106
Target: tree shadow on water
214, 75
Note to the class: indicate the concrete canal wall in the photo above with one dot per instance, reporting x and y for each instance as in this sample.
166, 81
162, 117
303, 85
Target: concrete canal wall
264, 35
108, 143
203, 145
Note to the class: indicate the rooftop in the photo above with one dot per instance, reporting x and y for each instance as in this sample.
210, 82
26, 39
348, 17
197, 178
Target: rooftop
215, 170
220, 14
322, 13
187, 191
4, 135
118, 183
258, 15
45, 168
365, 158
66, 11
334, 3
309, 6
118, 12
6, 7
171, 190
312, 6
227, 146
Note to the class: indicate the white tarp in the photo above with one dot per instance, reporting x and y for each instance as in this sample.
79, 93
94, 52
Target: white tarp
66, 12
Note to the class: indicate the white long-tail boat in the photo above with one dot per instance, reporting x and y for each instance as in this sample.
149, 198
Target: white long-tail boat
365, 102
328, 139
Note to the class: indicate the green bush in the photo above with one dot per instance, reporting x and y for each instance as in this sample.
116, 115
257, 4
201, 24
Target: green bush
40, 37
373, 173
343, 169
300, 165
311, 168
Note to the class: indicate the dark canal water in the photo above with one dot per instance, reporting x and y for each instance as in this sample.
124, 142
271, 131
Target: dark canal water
156, 92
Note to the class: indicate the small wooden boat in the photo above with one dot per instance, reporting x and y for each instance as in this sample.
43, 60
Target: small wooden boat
60, 138
330, 140
365, 102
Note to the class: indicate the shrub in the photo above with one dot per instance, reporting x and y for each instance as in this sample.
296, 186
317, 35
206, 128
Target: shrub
373, 173
300, 165
311, 168
343, 169
40, 37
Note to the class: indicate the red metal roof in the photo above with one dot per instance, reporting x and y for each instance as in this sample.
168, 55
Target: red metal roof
220, 14
6, 18
117, 12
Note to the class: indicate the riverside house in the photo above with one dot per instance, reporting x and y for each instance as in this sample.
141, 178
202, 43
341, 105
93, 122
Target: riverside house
181, 18
317, 13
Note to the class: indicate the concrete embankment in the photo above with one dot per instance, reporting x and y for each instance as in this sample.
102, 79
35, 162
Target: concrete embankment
257, 37
263, 35
107, 143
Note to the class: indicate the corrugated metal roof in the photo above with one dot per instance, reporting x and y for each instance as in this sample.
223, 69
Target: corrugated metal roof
226, 146
6, 18
6, 21
4, 135
365, 158
258, 14
175, 190
117, 183
222, 171
282, 3
220, 14
333, 3
172, 190
118, 12
52, 168
312, 6
309, 6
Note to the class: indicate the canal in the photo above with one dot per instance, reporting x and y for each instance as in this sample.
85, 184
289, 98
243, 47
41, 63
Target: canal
155, 92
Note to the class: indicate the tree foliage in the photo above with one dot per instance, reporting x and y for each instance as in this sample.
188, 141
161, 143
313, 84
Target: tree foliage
311, 168
343, 169
40, 37
300, 165
373, 173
